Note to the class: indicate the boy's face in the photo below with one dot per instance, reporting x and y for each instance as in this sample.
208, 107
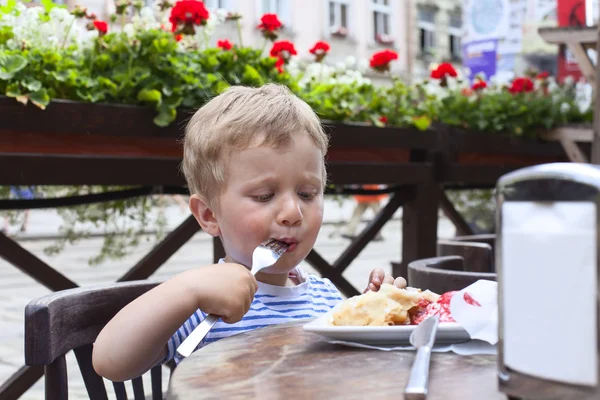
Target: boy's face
272, 193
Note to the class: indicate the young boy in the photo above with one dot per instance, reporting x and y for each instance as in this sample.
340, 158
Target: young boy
254, 164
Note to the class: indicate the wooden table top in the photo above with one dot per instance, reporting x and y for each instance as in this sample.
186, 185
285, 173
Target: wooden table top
284, 362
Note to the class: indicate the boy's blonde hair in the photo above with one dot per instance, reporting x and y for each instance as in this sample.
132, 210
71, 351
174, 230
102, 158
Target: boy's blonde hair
234, 120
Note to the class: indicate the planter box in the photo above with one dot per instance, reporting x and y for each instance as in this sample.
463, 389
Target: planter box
74, 143
479, 158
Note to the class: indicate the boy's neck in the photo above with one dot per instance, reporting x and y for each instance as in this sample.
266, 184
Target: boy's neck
274, 279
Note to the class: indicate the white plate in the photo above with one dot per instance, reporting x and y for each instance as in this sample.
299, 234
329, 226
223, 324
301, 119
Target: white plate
447, 332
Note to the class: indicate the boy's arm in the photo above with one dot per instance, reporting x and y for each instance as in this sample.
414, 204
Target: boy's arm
135, 339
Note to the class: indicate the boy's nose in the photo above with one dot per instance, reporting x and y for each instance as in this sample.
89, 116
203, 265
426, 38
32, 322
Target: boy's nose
290, 213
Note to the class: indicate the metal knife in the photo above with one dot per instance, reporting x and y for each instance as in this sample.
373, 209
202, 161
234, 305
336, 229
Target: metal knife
423, 338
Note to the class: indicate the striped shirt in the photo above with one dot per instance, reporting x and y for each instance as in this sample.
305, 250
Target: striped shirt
272, 305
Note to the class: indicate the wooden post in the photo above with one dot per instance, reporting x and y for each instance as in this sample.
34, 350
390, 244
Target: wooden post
596, 140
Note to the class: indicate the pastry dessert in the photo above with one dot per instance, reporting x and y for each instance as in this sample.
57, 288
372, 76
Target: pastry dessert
389, 306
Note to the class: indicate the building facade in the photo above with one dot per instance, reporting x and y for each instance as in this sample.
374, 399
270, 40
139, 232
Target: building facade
437, 27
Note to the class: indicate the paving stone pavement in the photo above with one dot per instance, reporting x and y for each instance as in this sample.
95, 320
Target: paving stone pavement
17, 289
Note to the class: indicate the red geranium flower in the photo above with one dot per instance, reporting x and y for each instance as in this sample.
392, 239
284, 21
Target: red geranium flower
279, 65
101, 27
224, 44
320, 50
269, 25
521, 85
178, 37
543, 75
443, 70
283, 49
383, 119
188, 13
381, 60
479, 85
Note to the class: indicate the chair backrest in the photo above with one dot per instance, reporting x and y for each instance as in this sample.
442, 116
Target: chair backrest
478, 257
488, 238
71, 320
443, 274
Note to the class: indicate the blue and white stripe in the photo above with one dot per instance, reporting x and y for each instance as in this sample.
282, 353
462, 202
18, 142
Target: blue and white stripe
272, 305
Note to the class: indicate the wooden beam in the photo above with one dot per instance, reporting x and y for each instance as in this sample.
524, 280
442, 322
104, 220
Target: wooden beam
569, 34
568, 136
585, 64
462, 227
15, 254
162, 251
573, 151
20, 382
574, 133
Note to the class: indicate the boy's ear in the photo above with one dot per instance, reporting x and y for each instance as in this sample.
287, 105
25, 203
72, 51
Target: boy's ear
204, 215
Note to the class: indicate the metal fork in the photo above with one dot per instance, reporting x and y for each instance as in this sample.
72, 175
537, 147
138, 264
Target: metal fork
266, 254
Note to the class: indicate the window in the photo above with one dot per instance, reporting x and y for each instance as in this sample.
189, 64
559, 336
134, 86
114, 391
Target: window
455, 35
218, 4
382, 19
279, 7
338, 22
426, 26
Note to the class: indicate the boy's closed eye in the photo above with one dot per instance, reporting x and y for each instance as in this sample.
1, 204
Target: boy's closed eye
305, 195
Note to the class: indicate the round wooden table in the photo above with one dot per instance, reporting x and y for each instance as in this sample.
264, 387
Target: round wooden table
284, 362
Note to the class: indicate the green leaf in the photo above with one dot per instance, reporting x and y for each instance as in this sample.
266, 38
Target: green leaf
8, 7
422, 123
40, 98
48, 5
166, 115
152, 96
10, 65
32, 85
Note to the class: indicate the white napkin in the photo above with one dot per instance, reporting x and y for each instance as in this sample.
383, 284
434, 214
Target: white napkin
481, 322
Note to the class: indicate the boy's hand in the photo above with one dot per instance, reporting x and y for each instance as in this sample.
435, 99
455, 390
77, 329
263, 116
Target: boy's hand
378, 277
226, 290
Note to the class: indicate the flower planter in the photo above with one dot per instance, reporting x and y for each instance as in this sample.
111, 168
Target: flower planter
479, 159
119, 144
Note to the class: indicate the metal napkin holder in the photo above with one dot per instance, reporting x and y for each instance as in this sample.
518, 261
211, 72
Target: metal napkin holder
548, 219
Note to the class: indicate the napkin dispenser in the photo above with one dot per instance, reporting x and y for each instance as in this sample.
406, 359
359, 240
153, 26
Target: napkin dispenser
547, 264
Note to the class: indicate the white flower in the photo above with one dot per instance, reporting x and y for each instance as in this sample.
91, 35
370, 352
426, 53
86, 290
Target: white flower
583, 95
363, 65
129, 30
350, 61
564, 108
20, 8
569, 80
552, 85
221, 15
12, 44
147, 13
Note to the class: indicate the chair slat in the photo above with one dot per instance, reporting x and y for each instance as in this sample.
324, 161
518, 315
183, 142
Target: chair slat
138, 388
71, 320
120, 391
156, 377
93, 382
56, 379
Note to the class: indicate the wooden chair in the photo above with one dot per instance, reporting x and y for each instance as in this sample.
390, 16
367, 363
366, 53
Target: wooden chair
71, 320
488, 238
478, 257
443, 274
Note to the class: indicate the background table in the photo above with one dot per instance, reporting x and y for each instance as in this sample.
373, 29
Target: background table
285, 362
